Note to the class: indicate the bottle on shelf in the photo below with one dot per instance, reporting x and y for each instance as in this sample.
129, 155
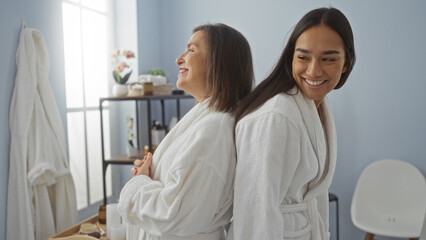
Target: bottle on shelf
158, 132
173, 122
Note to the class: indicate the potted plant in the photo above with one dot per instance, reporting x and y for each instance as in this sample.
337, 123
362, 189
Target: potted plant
121, 72
157, 72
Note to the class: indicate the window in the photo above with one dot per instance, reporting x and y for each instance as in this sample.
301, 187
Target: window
86, 30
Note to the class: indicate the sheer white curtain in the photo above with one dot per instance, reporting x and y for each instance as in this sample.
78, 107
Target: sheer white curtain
87, 46
93, 30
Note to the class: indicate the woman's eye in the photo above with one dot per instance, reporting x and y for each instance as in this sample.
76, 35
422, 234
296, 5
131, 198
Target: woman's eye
329, 59
303, 58
190, 50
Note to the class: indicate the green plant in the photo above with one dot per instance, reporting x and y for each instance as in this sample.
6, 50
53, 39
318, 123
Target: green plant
157, 71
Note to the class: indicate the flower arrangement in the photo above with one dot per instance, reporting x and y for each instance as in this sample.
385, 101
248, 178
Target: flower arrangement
122, 70
131, 135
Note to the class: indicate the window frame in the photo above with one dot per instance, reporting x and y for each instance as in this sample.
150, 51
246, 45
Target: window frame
92, 208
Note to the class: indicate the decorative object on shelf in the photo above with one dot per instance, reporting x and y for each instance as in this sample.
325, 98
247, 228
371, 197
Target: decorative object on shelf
121, 72
102, 214
164, 89
158, 78
177, 92
158, 132
155, 80
113, 217
118, 232
138, 89
173, 122
148, 88
132, 150
135, 89
157, 72
119, 90
87, 228
146, 149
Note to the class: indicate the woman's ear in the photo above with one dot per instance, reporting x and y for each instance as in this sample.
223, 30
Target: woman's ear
347, 63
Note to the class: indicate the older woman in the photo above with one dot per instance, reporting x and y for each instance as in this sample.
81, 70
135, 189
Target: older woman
187, 191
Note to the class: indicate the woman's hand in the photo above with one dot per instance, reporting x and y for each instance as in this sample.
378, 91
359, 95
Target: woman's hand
142, 167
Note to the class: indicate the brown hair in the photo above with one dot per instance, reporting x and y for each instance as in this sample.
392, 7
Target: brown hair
230, 74
281, 78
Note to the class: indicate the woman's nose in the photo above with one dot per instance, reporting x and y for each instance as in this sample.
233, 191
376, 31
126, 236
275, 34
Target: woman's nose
314, 69
179, 60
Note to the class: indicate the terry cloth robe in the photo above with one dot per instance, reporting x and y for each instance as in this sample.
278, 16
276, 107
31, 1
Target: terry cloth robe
190, 195
285, 164
41, 193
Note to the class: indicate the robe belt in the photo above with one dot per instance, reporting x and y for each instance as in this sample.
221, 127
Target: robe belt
310, 207
216, 235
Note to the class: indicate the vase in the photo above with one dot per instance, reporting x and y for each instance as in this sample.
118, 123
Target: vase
132, 151
119, 90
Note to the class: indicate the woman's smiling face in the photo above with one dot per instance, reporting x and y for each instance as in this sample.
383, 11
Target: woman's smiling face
192, 67
318, 62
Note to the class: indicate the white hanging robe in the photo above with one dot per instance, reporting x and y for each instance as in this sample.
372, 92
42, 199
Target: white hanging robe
41, 192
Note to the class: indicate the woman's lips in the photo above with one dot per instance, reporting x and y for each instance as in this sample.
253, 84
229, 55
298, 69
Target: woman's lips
314, 83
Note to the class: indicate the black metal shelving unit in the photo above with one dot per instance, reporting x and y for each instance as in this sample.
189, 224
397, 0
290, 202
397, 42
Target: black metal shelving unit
124, 159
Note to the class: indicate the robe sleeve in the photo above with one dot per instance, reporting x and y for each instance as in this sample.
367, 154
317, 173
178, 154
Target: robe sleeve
268, 152
187, 202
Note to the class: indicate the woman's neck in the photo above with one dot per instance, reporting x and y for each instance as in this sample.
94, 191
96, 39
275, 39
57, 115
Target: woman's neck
318, 103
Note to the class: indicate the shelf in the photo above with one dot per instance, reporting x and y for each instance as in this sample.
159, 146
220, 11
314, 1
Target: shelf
149, 97
124, 159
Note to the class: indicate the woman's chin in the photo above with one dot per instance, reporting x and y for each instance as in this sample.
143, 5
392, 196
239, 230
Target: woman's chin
180, 84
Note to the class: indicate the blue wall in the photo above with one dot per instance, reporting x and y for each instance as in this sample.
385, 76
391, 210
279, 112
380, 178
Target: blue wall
44, 15
380, 112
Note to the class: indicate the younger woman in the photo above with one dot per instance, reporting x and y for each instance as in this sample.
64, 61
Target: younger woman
286, 138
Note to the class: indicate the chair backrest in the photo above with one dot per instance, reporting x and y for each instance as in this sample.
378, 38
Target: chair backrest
390, 199
75, 237
423, 232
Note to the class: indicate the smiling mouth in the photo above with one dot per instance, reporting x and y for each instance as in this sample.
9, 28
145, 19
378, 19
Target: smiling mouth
314, 83
182, 70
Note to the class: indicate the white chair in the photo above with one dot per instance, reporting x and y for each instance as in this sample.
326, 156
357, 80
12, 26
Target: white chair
389, 200
423, 233
74, 237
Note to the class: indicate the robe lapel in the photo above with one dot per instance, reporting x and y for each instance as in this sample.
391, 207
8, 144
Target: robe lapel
326, 151
197, 113
330, 156
332, 145
313, 125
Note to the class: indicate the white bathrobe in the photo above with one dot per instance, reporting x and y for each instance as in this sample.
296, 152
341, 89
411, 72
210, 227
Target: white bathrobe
285, 163
41, 193
190, 195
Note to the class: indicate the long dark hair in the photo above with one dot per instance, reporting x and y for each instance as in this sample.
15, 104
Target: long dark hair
230, 74
281, 79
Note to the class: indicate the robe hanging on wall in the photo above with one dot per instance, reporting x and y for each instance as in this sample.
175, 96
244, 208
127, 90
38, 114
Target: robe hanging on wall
41, 191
